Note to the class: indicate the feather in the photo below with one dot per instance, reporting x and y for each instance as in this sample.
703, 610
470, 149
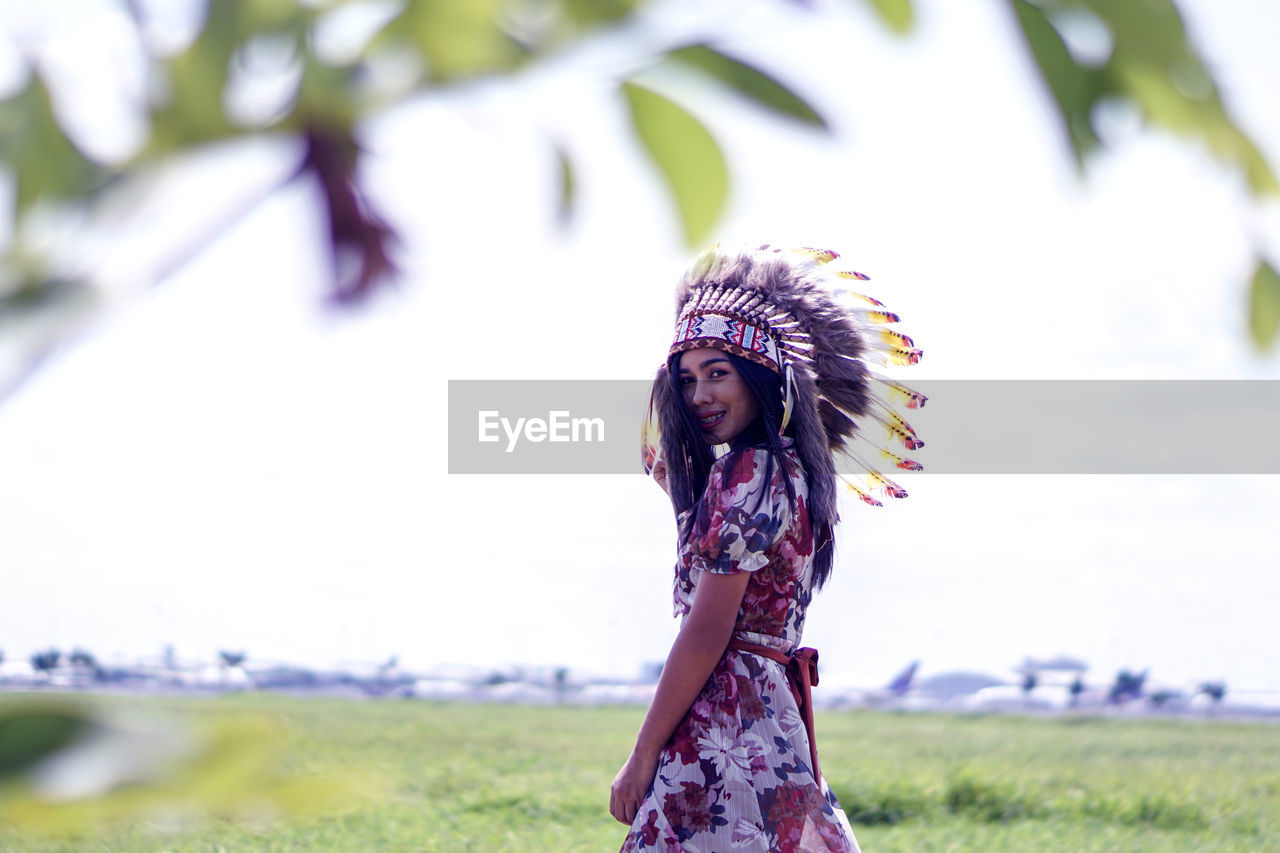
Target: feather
718, 297
788, 396
837, 424
876, 315
895, 355
875, 480
821, 256
751, 303
900, 462
870, 300
852, 275
908, 397
897, 428
889, 487
904, 429
650, 430
895, 339
865, 497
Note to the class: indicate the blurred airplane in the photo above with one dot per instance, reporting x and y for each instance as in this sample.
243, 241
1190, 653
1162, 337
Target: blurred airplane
901, 682
898, 687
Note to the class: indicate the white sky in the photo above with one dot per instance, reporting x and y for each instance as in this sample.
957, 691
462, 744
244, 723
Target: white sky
224, 464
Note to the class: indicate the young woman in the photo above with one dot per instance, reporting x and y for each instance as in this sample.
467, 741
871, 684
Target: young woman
767, 366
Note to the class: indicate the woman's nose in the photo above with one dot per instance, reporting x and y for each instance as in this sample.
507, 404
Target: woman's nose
701, 392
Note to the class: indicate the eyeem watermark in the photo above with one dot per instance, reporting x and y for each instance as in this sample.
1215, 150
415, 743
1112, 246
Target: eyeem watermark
969, 427
557, 426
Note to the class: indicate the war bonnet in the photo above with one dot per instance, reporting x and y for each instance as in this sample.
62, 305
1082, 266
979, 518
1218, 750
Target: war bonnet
791, 310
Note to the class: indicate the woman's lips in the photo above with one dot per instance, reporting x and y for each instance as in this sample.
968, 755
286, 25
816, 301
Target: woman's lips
709, 421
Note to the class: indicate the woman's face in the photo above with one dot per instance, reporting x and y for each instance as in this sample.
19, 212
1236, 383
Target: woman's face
717, 394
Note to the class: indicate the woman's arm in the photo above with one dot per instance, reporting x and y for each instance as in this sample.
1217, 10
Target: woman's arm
697, 649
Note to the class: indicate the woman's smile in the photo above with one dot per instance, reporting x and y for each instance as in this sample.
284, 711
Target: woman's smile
717, 394
710, 419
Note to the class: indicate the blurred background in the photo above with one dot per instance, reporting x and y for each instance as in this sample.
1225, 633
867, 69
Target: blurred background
247, 244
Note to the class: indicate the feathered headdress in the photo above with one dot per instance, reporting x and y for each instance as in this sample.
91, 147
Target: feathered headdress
791, 310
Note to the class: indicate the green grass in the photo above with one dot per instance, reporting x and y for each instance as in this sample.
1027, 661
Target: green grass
456, 777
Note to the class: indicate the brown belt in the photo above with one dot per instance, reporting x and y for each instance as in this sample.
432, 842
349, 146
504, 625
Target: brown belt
802, 676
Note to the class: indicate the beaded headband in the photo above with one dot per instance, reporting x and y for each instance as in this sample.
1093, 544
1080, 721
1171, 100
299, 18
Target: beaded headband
735, 334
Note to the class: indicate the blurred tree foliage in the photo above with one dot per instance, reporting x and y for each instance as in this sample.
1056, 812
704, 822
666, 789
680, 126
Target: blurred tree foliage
1148, 64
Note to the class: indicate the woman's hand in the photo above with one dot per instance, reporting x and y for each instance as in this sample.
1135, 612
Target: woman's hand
632, 785
698, 647
660, 475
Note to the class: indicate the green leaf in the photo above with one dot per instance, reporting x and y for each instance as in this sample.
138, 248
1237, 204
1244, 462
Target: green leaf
193, 109
261, 16
197, 77
1154, 63
568, 186
592, 12
1264, 305
1153, 66
748, 81
457, 38
687, 156
325, 96
44, 161
897, 14
1075, 89
32, 295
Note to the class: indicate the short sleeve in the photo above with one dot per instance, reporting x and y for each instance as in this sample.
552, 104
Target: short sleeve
742, 513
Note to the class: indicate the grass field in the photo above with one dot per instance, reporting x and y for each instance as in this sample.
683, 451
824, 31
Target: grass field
456, 777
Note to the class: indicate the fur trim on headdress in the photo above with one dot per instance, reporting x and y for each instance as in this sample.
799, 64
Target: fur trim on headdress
788, 309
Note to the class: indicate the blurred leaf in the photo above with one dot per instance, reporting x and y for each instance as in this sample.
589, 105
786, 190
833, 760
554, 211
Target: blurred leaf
1257, 171
897, 14
748, 81
588, 12
44, 161
1264, 305
1150, 32
192, 111
257, 16
687, 156
541, 26
36, 294
1075, 89
457, 38
325, 96
1153, 65
568, 184
31, 733
1154, 61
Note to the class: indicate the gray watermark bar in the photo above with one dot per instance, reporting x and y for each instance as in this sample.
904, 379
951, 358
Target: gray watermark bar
968, 426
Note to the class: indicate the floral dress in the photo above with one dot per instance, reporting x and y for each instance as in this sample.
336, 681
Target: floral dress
735, 775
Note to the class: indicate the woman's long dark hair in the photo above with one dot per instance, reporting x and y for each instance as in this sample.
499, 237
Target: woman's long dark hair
688, 482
